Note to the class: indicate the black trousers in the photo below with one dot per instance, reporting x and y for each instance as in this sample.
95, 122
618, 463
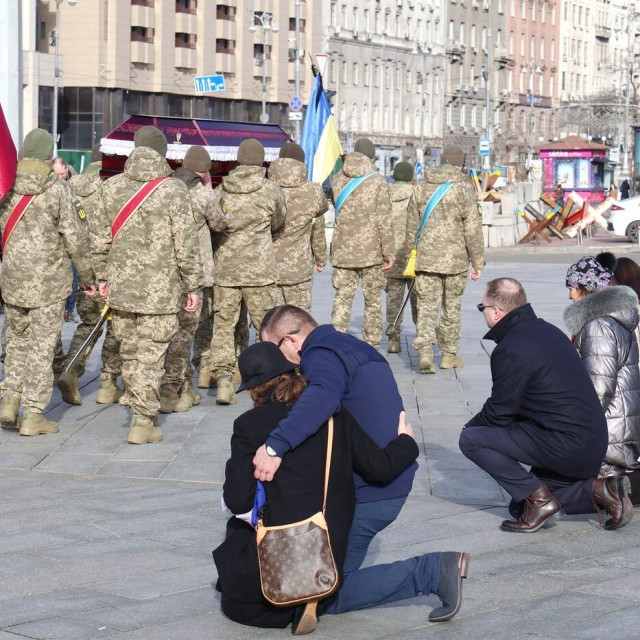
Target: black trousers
494, 450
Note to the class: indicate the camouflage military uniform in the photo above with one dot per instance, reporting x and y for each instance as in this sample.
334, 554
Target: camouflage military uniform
152, 261
301, 242
362, 239
451, 238
89, 308
244, 260
36, 279
396, 283
208, 217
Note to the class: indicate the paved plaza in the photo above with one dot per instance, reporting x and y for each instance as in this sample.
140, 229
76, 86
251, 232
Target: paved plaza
100, 539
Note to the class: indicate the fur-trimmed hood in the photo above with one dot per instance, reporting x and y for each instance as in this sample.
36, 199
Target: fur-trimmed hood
619, 303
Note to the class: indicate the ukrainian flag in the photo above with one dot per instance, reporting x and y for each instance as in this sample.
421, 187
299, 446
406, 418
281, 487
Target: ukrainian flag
320, 139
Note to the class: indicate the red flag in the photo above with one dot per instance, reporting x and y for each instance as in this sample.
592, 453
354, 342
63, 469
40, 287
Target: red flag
8, 157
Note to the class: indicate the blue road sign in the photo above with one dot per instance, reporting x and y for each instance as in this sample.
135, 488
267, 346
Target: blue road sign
295, 104
418, 169
205, 84
484, 146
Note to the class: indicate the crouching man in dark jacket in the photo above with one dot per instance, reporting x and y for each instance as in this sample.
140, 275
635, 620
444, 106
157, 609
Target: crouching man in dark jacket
543, 412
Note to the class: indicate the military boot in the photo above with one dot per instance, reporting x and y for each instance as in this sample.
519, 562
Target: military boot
188, 397
10, 411
168, 399
34, 424
451, 361
68, 385
204, 378
108, 392
226, 393
143, 430
394, 344
426, 363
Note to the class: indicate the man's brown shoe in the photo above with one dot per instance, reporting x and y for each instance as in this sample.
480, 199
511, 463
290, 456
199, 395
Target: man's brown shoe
541, 509
611, 497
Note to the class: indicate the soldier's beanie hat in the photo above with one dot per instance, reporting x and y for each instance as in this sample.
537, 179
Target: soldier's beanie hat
152, 137
365, 146
38, 144
403, 172
292, 150
251, 152
197, 159
453, 154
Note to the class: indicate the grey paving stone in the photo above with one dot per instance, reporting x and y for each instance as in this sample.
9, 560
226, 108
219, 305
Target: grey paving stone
62, 628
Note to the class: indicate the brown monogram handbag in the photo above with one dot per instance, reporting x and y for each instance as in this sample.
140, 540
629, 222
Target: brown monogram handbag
296, 562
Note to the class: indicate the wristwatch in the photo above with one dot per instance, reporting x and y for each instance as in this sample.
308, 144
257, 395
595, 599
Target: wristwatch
271, 452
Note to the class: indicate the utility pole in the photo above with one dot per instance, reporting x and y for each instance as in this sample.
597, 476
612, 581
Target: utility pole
488, 79
630, 21
56, 80
296, 65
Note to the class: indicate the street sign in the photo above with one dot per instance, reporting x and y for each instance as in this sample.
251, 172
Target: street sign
206, 84
295, 115
484, 146
264, 118
535, 99
418, 169
295, 104
322, 60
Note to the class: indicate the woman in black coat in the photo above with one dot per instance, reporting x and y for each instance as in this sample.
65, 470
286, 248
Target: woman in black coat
296, 493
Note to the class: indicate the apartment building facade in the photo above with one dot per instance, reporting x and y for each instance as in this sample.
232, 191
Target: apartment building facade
120, 57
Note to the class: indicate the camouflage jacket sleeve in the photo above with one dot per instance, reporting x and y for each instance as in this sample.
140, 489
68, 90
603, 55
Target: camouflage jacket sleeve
100, 232
413, 221
318, 235
214, 216
385, 222
186, 244
279, 209
473, 237
75, 236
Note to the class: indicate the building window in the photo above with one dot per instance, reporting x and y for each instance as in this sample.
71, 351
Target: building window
187, 6
186, 40
292, 24
461, 33
343, 16
354, 79
366, 79
141, 34
225, 12
543, 12
142, 3
552, 53
542, 48
533, 10
225, 46
344, 73
354, 20
472, 36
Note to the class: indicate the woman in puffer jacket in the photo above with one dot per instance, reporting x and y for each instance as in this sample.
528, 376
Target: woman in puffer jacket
602, 321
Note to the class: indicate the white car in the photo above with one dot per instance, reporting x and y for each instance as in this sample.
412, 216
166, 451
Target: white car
623, 219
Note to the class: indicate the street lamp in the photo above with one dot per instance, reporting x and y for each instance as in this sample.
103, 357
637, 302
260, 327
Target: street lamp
55, 37
422, 50
266, 22
535, 68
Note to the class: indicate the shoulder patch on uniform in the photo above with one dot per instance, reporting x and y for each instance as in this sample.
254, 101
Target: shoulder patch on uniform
80, 209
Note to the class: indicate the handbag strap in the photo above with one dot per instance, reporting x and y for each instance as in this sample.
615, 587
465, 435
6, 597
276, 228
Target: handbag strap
328, 463
434, 201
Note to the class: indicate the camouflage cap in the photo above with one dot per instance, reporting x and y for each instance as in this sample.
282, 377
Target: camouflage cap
151, 137
292, 150
452, 154
366, 147
251, 152
197, 159
403, 172
38, 144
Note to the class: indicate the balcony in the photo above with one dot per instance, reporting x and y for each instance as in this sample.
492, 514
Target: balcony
143, 15
225, 63
185, 58
455, 50
186, 23
142, 52
504, 59
603, 33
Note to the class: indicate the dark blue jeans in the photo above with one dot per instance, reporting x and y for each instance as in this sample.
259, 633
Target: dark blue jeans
381, 583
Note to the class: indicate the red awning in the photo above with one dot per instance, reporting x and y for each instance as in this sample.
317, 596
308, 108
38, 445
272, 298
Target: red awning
219, 137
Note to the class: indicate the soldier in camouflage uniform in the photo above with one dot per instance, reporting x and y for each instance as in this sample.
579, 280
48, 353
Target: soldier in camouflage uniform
244, 260
300, 243
396, 284
36, 280
144, 271
450, 240
89, 308
363, 245
176, 388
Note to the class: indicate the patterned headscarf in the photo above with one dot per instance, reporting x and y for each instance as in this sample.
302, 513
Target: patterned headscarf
588, 274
